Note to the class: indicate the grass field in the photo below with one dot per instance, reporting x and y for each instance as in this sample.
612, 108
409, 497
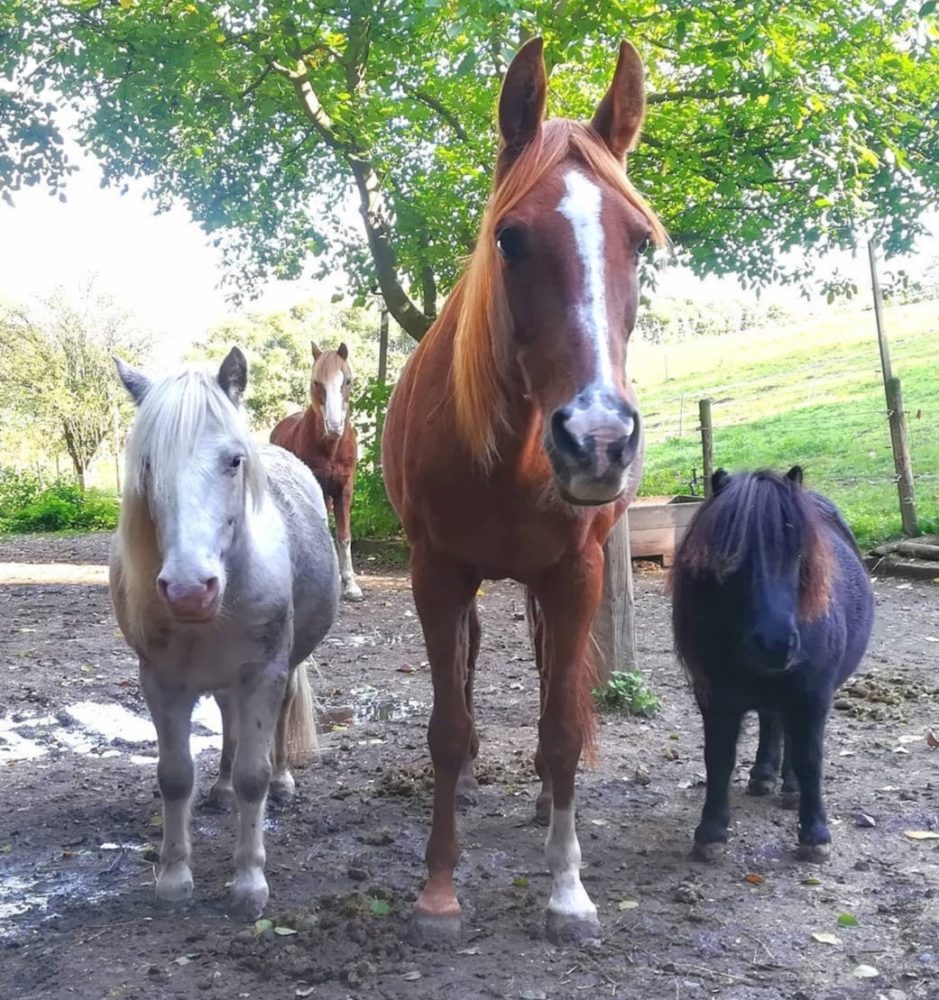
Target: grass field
808, 393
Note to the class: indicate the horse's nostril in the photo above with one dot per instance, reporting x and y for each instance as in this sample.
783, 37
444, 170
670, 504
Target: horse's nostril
162, 586
563, 438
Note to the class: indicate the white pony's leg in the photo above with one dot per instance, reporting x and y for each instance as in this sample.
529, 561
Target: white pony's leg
222, 794
569, 900
260, 700
171, 712
351, 590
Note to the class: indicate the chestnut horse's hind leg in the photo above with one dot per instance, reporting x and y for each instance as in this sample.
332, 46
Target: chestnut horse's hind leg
171, 711
765, 768
222, 794
444, 593
569, 599
466, 786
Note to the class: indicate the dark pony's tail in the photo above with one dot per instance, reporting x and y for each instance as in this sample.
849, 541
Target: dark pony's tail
585, 708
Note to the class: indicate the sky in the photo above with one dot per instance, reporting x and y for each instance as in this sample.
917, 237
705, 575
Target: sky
162, 269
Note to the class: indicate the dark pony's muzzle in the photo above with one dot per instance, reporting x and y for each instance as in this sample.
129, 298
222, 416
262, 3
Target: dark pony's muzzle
772, 653
591, 443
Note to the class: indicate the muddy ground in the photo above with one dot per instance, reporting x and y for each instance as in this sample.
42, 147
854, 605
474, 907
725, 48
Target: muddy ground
80, 818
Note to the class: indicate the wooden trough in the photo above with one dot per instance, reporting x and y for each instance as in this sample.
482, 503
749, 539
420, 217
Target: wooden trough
916, 559
658, 524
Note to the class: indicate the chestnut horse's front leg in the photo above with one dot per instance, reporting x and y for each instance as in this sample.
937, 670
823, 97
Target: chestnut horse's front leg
569, 596
351, 591
444, 592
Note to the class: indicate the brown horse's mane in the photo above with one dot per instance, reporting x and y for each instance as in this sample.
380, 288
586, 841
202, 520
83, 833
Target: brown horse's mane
477, 308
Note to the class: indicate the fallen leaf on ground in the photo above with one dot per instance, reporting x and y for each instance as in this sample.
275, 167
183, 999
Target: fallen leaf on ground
811, 881
847, 920
304, 992
284, 931
921, 834
411, 976
865, 972
520, 882
468, 951
260, 926
753, 878
825, 937
628, 904
533, 995
405, 668
931, 638
380, 907
931, 740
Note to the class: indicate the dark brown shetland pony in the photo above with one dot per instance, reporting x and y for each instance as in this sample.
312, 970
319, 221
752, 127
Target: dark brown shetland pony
512, 444
323, 438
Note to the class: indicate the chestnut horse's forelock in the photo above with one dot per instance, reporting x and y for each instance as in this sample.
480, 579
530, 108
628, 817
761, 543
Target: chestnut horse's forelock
761, 520
477, 306
327, 365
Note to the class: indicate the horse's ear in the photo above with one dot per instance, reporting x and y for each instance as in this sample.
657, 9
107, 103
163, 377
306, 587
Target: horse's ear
794, 475
718, 481
343, 351
522, 101
135, 382
619, 115
316, 351
233, 375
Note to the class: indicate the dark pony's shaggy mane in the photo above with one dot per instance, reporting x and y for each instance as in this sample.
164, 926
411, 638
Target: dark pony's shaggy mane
761, 522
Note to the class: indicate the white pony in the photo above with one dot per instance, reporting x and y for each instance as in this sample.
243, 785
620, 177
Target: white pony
224, 579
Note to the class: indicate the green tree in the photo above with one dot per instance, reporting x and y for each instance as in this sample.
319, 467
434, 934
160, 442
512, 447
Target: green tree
57, 371
772, 125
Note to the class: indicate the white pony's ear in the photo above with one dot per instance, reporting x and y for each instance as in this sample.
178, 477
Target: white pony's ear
135, 382
233, 375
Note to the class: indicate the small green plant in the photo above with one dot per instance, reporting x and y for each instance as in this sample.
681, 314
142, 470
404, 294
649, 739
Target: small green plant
626, 692
27, 506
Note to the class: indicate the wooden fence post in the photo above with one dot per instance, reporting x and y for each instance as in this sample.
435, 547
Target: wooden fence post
901, 456
707, 443
614, 628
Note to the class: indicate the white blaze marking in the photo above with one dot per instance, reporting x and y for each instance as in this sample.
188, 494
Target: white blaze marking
568, 896
334, 415
581, 207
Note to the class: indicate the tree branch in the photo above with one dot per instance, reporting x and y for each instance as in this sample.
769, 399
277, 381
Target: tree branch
445, 113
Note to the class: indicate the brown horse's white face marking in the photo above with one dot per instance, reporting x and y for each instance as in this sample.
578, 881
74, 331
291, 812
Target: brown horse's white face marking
330, 386
570, 251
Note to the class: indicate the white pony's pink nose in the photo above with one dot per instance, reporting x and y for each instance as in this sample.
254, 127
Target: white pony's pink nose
195, 602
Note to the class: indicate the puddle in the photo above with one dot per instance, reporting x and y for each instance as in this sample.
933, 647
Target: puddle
371, 705
102, 730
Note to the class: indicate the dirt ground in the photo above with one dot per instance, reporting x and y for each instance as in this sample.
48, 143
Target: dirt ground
80, 818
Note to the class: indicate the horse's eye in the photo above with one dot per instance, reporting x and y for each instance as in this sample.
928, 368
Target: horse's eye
510, 241
643, 246
236, 461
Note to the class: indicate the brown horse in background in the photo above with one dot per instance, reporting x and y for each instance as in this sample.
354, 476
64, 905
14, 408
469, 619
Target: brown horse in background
512, 444
322, 436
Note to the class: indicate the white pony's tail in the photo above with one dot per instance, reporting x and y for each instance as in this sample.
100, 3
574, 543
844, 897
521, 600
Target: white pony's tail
300, 730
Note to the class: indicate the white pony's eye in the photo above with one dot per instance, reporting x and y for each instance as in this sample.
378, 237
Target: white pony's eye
236, 461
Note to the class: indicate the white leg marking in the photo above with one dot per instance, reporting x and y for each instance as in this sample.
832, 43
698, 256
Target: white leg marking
568, 896
581, 207
350, 587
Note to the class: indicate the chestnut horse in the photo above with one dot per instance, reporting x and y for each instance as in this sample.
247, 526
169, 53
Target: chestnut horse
512, 444
322, 436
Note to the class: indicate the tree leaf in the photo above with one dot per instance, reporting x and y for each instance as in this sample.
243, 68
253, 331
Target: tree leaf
921, 834
284, 931
826, 937
262, 925
380, 907
865, 972
847, 920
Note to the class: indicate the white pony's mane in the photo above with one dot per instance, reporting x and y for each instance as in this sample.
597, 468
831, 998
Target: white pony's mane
170, 421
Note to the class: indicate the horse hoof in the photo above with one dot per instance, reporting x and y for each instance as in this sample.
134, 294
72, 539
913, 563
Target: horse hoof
429, 929
543, 811
353, 594
249, 897
789, 800
174, 885
707, 853
760, 786
221, 798
282, 788
567, 929
467, 792
817, 853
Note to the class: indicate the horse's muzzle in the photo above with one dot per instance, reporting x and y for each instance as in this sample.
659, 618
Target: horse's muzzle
591, 444
194, 603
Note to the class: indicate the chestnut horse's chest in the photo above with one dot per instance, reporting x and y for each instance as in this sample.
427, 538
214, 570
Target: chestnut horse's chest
332, 465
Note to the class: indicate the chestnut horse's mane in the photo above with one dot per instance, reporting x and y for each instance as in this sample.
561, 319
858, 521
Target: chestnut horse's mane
477, 307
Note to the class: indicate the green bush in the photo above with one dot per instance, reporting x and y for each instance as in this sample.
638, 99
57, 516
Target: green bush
626, 692
26, 506
372, 515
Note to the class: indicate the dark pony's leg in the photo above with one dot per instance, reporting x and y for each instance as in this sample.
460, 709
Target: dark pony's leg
805, 724
467, 786
569, 597
721, 727
768, 755
790, 783
443, 593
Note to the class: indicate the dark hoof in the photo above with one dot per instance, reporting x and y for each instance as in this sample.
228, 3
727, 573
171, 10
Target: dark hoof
564, 929
467, 792
760, 786
789, 800
543, 811
220, 799
429, 929
817, 853
708, 853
